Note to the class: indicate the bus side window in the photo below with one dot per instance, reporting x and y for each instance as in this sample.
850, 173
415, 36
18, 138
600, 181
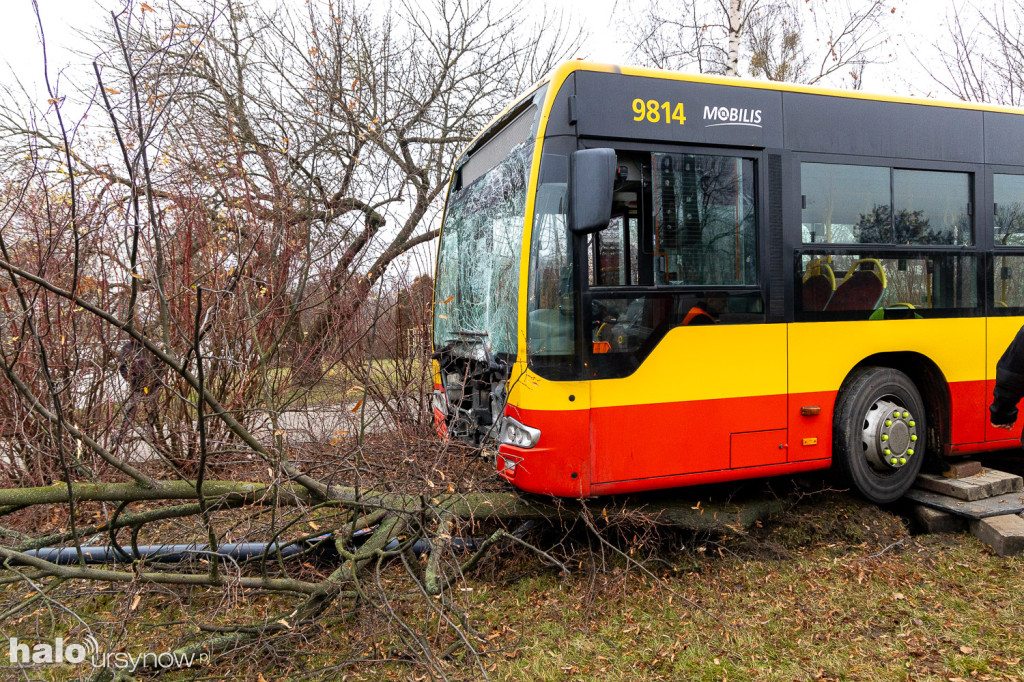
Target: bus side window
1008, 221
613, 253
704, 220
892, 286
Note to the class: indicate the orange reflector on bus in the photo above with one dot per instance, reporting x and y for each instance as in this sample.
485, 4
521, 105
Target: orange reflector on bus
602, 347
810, 410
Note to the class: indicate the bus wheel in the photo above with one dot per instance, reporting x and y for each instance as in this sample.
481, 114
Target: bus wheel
879, 433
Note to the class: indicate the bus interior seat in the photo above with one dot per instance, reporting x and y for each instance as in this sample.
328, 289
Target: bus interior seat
634, 312
861, 288
818, 285
896, 311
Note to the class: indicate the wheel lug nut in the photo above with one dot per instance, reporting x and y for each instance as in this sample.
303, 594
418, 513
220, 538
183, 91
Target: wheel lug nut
910, 451
913, 437
885, 436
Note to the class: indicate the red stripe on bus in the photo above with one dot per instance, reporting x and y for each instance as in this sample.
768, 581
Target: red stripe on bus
642, 447
647, 441
560, 462
619, 487
968, 411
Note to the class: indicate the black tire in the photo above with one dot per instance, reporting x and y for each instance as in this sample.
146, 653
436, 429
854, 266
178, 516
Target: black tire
877, 453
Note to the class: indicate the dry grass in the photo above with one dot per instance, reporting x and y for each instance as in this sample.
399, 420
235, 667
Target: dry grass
834, 589
854, 598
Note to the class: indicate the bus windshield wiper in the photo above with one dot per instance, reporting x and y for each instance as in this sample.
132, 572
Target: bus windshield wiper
469, 333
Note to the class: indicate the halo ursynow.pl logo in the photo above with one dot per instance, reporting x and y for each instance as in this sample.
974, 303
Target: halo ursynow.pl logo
61, 653
57, 652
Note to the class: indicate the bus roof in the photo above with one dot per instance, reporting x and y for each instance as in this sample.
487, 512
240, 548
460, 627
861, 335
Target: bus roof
561, 72
558, 76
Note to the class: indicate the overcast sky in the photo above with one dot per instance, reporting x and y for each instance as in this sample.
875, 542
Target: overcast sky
919, 22
916, 22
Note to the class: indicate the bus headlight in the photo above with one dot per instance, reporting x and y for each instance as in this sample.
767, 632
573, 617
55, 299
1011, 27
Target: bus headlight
518, 434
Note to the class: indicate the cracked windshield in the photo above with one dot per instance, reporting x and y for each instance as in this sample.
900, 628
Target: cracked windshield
478, 268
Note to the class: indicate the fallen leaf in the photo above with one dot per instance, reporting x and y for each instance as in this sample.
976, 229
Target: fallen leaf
113, 91
146, 8
358, 405
135, 602
966, 650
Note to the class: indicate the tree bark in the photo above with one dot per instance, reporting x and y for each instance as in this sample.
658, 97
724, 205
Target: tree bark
735, 29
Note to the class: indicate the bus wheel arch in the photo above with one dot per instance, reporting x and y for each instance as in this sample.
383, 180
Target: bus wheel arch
889, 416
934, 389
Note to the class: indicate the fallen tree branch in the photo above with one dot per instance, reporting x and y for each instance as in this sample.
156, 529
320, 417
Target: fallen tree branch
457, 506
126, 521
320, 598
78, 573
433, 580
468, 506
164, 490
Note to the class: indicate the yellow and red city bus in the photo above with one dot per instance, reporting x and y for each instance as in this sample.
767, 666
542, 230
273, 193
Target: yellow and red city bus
649, 279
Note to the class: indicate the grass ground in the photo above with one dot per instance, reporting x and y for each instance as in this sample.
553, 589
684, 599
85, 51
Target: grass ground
833, 589
839, 591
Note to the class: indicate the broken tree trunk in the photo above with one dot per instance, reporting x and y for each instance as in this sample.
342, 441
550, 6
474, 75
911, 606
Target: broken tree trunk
685, 512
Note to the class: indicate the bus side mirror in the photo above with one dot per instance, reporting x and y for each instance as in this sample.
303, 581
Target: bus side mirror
591, 185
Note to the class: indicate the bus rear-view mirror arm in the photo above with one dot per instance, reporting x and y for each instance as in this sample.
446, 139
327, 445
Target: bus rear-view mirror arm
591, 185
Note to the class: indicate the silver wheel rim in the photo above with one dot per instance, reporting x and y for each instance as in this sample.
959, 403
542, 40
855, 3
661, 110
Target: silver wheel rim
889, 436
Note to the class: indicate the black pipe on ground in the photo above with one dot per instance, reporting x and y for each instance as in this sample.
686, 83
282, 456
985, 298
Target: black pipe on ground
236, 551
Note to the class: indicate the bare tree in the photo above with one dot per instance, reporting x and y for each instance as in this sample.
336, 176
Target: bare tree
806, 42
982, 57
329, 130
227, 214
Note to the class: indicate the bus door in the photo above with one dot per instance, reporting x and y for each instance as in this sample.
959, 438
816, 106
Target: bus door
1000, 332
686, 376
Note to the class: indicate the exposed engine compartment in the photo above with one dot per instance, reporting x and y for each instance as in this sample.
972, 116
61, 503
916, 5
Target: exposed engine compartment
473, 380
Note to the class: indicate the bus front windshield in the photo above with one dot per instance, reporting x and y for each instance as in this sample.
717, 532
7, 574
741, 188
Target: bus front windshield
477, 287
